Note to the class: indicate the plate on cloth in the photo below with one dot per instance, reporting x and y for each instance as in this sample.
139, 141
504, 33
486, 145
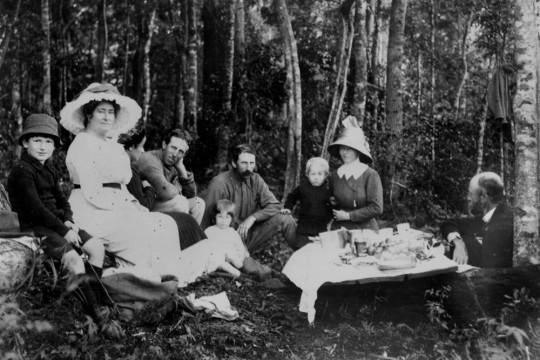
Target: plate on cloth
396, 264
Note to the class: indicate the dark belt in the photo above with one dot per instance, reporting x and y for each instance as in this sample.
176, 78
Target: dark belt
108, 185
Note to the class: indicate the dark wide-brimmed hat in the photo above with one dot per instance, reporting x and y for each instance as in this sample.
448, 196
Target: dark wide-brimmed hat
353, 137
72, 116
40, 124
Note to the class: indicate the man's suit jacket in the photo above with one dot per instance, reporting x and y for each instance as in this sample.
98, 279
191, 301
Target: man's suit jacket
497, 247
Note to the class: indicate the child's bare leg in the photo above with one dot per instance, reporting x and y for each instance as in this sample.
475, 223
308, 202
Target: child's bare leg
95, 250
225, 266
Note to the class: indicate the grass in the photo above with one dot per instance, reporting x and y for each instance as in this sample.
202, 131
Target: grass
349, 325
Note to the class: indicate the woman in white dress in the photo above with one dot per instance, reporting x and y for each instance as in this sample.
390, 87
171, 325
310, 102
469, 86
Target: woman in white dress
143, 243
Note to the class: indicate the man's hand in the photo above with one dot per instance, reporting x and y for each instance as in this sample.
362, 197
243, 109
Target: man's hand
460, 252
72, 226
73, 238
181, 168
341, 215
285, 211
244, 227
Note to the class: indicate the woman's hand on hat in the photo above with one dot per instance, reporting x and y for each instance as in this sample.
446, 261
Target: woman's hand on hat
341, 215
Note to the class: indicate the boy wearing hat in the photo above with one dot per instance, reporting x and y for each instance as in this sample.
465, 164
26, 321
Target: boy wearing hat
35, 194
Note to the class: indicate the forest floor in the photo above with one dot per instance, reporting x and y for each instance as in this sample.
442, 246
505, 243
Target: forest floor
347, 326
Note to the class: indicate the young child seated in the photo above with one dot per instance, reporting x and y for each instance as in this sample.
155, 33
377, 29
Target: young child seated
223, 250
35, 194
314, 196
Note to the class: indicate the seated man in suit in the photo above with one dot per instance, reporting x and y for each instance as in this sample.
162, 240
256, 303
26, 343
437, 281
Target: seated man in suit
485, 239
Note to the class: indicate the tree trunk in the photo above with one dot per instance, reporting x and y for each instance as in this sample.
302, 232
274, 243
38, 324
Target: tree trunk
432, 82
192, 88
526, 222
126, 49
341, 77
146, 64
4, 45
360, 56
465, 73
16, 111
394, 102
394, 75
46, 51
181, 37
419, 83
373, 75
371, 18
294, 92
228, 64
102, 39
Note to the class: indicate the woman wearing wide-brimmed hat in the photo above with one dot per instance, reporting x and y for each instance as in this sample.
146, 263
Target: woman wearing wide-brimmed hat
144, 243
356, 187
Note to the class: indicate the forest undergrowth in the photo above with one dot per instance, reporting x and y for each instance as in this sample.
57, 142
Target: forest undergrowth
34, 324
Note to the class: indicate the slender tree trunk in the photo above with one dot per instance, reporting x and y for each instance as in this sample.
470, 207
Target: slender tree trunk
432, 82
240, 108
394, 101
465, 73
482, 131
373, 75
370, 27
394, 77
146, 64
192, 88
229, 58
525, 106
102, 39
223, 135
419, 83
181, 73
127, 37
360, 55
294, 143
16, 113
4, 46
46, 51
341, 78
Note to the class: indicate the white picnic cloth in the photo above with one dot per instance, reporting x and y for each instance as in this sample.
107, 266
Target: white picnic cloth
312, 266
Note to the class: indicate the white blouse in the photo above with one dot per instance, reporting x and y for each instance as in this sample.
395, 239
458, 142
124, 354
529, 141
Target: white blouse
91, 162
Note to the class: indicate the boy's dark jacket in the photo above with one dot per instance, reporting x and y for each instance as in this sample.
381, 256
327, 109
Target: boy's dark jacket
35, 194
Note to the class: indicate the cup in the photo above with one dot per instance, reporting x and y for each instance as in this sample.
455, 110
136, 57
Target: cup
361, 246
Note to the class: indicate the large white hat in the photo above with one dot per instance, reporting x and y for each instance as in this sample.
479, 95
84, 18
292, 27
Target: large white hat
353, 137
72, 117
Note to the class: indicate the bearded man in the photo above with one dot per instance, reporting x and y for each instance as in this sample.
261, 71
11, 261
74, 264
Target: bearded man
257, 216
485, 238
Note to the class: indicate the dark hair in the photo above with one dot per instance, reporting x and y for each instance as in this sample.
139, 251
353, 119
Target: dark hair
493, 188
237, 150
89, 108
224, 205
48, 136
133, 137
179, 133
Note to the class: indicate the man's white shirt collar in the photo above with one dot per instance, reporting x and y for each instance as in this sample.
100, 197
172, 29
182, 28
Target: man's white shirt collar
488, 215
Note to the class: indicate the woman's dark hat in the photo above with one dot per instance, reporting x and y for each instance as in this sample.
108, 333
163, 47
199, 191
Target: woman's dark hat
37, 124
